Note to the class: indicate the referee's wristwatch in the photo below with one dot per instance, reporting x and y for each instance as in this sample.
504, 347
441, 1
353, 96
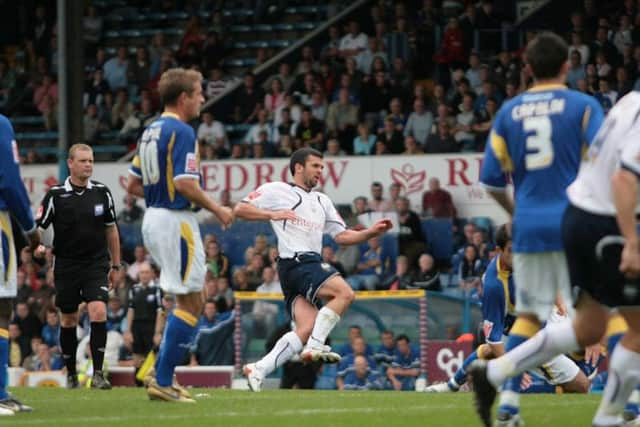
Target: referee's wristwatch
117, 267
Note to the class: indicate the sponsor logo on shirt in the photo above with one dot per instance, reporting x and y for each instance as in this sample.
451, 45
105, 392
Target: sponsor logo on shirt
16, 152
98, 210
191, 163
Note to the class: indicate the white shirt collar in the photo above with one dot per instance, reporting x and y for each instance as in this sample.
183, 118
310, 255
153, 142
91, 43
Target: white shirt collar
68, 187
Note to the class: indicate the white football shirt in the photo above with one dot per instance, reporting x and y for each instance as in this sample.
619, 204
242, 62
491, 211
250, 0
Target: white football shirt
316, 215
616, 145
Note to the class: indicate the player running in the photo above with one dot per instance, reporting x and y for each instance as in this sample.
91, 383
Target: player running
299, 216
498, 313
166, 172
537, 138
600, 237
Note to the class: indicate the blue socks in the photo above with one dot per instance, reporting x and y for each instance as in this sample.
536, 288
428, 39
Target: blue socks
4, 362
175, 343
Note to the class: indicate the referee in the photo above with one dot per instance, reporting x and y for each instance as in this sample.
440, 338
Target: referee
86, 245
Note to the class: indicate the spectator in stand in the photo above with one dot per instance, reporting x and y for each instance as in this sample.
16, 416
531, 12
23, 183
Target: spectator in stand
116, 315
342, 119
396, 115
397, 41
131, 211
45, 98
135, 124
373, 50
248, 101
263, 125
217, 84
419, 123
331, 50
193, 34
469, 273
452, 49
140, 258
309, 132
484, 122
373, 265
577, 46
465, 119
116, 68
254, 271
224, 292
41, 359
427, 275
353, 43
376, 95
401, 279
365, 142
436, 202
622, 37
473, 72
377, 203
576, 70
286, 125
217, 262
285, 146
212, 131
603, 67
602, 44
139, 70
390, 137
51, 330
411, 241
265, 313
442, 142
405, 367
28, 323
360, 206
622, 83
411, 147
605, 95
361, 376
122, 109
96, 88
240, 280
386, 351
357, 347
225, 199
213, 51
318, 106
284, 75
92, 125
275, 98
292, 104
18, 346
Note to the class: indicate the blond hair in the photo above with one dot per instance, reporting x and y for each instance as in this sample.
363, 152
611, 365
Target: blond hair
78, 147
175, 81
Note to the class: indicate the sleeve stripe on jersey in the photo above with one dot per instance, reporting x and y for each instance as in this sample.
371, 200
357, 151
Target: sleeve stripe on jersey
185, 176
585, 119
112, 207
49, 211
634, 170
499, 147
171, 188
134, 173
492, 187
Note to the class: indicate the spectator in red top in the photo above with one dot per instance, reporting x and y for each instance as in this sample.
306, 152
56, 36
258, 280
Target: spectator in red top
452, 48
436, 202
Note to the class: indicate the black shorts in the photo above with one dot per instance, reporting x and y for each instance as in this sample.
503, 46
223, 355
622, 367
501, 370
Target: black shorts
142, 332
76, 282
303, 276
593, 245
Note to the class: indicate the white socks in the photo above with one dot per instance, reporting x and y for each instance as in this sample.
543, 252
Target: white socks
624, 375
286, 347
556, 338
326, 320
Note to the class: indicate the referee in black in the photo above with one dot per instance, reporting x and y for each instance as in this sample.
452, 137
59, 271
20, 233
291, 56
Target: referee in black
86, 245
145, 309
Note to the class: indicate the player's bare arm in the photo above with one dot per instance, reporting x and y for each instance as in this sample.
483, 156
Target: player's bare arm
352, 237
135, 187
191, 190
624, 188
249, 212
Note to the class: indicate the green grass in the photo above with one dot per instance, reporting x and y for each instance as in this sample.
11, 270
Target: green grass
123, 407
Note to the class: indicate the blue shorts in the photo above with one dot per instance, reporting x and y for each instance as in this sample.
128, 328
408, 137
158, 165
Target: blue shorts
303, 276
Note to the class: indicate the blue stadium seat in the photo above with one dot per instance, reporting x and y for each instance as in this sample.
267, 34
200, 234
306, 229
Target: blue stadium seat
439, 236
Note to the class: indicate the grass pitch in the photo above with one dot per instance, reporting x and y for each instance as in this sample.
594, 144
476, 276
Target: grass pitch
124, 407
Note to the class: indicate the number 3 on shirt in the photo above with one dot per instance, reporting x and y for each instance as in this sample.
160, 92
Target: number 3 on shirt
148, 153
539, 142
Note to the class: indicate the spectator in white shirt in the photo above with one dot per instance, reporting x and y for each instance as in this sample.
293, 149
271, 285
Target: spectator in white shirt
419, 123
216, 84
274, 100
263, 125
577, 45
354, 43
265, 313
212, 131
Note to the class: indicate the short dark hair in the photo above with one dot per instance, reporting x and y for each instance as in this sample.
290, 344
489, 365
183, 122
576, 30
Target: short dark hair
299, 157
546, 54
503, 236
403, 337
376, 184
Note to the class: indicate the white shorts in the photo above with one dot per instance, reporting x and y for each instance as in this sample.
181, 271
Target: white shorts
173, 241
559, 370
8, 280
539, 278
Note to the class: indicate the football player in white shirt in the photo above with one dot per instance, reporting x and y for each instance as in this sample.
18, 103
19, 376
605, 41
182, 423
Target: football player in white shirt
601, 243
299, 216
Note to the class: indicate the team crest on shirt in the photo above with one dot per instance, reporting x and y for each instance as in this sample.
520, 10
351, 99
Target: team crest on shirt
487, 327
98, 209
325, 266
191, 163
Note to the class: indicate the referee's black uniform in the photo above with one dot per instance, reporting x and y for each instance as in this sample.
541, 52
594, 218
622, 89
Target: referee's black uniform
79, 216
146, 302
